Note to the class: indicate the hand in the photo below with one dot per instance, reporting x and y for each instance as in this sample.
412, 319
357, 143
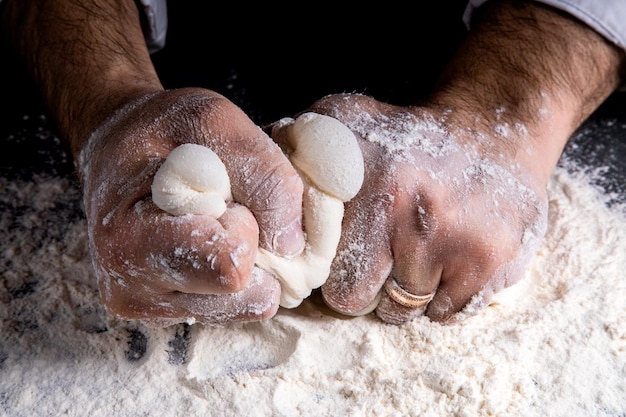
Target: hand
98, 81
453, 203
438, 213
163, 269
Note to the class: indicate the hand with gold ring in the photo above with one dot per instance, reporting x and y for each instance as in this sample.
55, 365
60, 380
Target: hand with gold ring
438, 224
453, 204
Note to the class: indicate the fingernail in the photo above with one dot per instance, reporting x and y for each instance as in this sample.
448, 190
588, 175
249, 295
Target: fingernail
289, 241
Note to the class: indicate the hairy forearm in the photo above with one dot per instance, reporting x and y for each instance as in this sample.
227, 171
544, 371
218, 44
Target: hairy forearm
532, 66
86, 57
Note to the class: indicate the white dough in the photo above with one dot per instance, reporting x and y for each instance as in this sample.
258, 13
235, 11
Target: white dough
326, 151
323, 214
193, 180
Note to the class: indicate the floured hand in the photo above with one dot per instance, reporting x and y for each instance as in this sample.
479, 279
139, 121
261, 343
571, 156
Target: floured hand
441, 214
164, 269
454, 203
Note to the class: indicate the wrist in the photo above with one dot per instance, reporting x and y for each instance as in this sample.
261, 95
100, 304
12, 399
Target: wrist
83, 71
529, 75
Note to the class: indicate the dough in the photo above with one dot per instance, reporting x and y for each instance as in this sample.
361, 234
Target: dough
192, 180
326, 151
328, 158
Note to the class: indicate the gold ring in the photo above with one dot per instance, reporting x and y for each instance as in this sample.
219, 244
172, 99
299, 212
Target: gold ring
405, 298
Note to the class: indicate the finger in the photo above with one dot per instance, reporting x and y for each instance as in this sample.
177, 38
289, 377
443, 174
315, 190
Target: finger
195, 253
259, 301
410, 288
263, 180
417, 270
451, 298
278, 131
363, 259
274, 195
473, 271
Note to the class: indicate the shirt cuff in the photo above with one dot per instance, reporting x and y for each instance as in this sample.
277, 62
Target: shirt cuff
606, 17
155, 28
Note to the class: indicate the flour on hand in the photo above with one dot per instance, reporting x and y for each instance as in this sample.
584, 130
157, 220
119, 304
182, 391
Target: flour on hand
193, 180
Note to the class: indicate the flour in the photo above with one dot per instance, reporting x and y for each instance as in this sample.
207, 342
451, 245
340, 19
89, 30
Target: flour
557, 348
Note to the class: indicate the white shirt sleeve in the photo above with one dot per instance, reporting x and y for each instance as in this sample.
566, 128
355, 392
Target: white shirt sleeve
607, 17
155, 12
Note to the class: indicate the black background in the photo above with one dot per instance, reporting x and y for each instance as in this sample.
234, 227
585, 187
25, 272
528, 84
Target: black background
274, 61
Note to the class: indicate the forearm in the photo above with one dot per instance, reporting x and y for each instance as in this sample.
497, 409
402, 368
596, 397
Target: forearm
87, 58
535, 67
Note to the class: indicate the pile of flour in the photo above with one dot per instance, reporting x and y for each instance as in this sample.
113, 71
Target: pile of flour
554, 345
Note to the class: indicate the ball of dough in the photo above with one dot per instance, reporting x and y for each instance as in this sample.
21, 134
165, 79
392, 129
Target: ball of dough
327, 152
192, 180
